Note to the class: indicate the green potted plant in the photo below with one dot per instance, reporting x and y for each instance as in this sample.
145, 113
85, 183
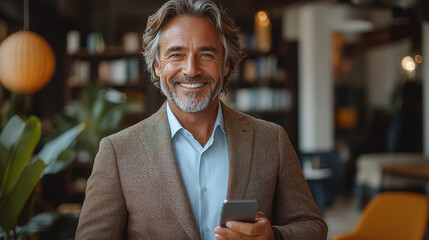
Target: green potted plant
21, 169
106, 108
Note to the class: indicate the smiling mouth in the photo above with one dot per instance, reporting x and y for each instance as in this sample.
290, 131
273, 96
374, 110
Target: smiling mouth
192, 85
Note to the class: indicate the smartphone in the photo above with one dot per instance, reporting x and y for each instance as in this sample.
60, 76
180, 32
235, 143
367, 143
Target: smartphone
242, 210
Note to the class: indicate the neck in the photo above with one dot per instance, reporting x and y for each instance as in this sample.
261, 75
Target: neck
201, 123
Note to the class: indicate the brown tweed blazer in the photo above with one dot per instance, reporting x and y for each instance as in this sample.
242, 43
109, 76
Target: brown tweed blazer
136, 192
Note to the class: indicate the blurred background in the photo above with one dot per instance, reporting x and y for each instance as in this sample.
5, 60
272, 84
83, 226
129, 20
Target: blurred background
345, 78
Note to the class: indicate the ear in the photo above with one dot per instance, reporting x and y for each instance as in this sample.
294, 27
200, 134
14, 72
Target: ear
226, 69
156, 68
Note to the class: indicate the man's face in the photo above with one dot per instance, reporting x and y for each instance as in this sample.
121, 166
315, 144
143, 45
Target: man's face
191, 67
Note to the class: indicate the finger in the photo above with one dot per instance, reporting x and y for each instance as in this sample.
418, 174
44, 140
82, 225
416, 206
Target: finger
222, 233
262, 219
259, 216
248, 229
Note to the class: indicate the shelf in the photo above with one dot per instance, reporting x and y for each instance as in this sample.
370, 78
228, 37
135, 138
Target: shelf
266, 87
112, 68
267, 112
268, 82
129, 85
110, 53
254, 53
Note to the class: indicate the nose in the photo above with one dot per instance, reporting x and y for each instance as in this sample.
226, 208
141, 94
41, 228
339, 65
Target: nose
191, 66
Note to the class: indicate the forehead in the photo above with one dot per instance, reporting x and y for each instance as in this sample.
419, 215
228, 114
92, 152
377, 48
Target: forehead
186, 31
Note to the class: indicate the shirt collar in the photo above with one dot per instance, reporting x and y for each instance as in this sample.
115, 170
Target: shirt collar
175, 125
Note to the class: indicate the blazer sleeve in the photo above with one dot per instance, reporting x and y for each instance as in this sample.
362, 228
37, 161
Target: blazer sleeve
295, 214
103, 214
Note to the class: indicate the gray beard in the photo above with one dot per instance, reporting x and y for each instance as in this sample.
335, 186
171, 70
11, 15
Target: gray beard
190, 103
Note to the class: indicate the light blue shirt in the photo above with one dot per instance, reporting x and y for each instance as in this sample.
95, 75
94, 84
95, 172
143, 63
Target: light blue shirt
204, 171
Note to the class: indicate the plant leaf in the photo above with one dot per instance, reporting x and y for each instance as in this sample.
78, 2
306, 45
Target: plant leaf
8, 137
42, 221
4, 154
5, 112
20, 153
11, 131
39, 223
52, 150
98, 106
27, 211
62, 162
12, 205
110, 121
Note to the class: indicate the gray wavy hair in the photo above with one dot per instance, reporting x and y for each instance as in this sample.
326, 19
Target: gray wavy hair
223, 22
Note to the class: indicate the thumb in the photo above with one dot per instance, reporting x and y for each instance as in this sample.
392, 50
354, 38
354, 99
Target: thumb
260, 216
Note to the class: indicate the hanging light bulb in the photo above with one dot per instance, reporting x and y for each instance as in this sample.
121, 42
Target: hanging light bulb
408, 64
263, 31
418, 58
27, 62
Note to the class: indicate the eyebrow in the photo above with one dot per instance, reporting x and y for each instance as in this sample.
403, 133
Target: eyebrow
207, 48
180, 48
173, 49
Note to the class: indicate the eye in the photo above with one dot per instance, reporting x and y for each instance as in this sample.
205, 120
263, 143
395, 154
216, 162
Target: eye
207, 56
175, 56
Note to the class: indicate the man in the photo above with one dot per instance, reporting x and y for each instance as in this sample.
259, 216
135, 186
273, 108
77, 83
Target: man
167, 176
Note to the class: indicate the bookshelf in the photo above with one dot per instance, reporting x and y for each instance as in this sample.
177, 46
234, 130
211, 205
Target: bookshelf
265, 88
113, 68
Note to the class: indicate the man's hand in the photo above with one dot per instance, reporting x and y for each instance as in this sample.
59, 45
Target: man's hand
261, 229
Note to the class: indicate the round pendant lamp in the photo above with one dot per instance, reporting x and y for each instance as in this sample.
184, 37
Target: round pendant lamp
27, 62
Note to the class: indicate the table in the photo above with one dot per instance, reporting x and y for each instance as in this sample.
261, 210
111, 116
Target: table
418, 171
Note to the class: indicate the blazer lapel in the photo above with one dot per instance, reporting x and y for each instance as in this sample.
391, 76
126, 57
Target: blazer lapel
239, 137
158, 141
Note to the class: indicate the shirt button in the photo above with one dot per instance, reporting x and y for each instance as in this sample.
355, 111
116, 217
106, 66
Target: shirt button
204, 189
206, 229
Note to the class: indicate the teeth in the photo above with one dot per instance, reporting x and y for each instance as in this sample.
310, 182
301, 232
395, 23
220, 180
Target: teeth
191, 85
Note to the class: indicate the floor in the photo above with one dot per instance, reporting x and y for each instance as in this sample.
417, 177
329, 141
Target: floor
342, 216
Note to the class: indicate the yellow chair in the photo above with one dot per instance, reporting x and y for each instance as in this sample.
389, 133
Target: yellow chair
392, 216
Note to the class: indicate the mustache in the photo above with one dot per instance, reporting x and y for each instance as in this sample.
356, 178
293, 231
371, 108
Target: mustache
196, 79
